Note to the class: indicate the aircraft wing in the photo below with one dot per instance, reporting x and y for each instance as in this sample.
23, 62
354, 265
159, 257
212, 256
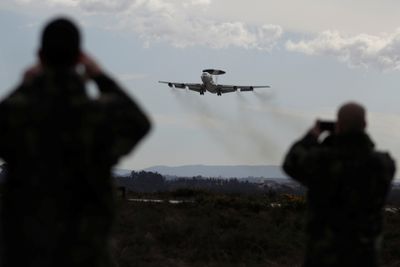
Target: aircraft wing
198, 87
195, 87
242, 88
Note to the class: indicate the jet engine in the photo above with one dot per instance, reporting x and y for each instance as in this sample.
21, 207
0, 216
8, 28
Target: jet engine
251, 88
181, 86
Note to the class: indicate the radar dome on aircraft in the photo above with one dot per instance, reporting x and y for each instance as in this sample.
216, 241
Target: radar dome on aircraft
214, 71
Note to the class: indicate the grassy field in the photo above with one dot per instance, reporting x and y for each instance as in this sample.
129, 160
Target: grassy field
221, 230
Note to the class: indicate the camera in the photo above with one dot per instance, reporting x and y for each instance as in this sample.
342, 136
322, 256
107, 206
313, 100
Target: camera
328, 126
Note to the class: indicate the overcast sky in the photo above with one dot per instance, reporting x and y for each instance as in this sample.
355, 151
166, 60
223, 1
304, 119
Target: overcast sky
315, 54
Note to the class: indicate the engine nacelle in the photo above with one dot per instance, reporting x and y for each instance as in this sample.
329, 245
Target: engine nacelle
251, 88
181, 86
170, 85
235, 88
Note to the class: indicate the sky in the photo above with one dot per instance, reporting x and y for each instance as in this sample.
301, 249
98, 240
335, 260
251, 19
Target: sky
315, 55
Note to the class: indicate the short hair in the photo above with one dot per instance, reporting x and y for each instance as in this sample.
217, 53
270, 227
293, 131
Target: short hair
351, 118
60, 44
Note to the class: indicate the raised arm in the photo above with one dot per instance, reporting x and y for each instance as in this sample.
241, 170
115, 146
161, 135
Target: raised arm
127, 122
299, 162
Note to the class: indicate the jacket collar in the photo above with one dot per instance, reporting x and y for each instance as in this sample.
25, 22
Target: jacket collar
359, 140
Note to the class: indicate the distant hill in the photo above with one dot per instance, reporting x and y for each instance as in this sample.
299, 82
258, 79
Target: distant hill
121, 172
239, 171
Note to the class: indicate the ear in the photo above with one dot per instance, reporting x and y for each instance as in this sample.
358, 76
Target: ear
79, 57
40, 56
337, 127
364, 125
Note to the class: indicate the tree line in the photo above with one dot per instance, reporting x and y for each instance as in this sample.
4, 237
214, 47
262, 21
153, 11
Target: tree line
150, 182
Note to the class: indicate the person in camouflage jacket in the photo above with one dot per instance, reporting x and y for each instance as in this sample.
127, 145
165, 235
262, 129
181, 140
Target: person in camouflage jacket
347, 182
60, 145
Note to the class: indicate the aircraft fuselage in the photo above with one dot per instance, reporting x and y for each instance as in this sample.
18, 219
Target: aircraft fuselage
208, 82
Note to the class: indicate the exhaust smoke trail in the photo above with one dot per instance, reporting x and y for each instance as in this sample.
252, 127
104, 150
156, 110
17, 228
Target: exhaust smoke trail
216, 124
255, 131
259, 136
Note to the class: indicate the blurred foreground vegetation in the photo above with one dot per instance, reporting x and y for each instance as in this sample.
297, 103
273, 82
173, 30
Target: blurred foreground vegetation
220, 230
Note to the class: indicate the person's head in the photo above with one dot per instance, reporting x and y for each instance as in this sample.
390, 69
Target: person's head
351, 118
60, 44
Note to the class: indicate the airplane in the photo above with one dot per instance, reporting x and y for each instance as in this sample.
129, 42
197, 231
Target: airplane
212, 86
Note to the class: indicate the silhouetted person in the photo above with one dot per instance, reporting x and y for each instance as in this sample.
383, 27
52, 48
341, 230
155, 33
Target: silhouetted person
60, 145
347, 182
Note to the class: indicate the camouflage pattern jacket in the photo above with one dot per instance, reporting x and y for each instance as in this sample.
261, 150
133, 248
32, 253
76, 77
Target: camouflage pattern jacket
347, 182
60, 145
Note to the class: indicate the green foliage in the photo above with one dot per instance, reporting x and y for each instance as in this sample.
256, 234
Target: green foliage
289, 201
215, 230
391, 240
222, 230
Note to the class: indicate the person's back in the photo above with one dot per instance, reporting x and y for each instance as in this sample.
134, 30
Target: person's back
59, 146
347, 183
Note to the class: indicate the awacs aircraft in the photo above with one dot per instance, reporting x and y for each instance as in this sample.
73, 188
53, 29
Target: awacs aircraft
212, 86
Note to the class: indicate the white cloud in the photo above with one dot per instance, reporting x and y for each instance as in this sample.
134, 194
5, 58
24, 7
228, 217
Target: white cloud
184, 24
200, 2
102, 6
24, 1
176, 22
69, 3
363, 50
313, 16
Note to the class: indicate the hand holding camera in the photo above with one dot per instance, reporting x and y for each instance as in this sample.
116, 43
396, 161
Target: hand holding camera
321, 126
326, 126
92, 69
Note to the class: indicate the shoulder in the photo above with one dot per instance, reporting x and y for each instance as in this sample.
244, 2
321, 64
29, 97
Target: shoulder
383, 160
26, 90
381, 168
16, 97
